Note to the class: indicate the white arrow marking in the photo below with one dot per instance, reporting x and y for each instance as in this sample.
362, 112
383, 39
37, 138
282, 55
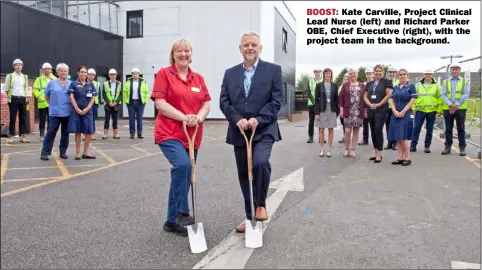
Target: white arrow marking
464, 265
231, 252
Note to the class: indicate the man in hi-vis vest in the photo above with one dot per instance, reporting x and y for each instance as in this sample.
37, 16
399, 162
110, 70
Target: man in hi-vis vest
455, 92
91, 77
136, 94
15, 86
112, 95
311, 102
426, 107
38, 92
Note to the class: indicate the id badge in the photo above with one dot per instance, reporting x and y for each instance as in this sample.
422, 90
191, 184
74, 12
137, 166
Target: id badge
195, 89
328, 100
411, 116
89, 94
374, 96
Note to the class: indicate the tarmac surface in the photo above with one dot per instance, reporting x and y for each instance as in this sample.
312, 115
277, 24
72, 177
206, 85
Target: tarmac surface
352, 213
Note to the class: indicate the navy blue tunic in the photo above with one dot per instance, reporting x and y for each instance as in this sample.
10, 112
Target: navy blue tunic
402, 128
83, 94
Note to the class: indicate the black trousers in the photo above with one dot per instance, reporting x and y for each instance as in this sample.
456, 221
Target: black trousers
18, 105
387, 120
311, 123
43, 115
376, 119
342, 124
261, 172
365, 130
110, 113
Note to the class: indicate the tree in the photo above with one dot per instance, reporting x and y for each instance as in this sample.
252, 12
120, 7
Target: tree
361, 75
303, 82
339, 77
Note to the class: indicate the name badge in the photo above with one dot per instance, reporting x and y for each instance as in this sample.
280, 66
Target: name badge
328, 100
374, 96
195, 89
89, 94
411, 116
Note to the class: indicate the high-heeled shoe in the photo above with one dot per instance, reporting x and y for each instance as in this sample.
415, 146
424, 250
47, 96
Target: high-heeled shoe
378, 160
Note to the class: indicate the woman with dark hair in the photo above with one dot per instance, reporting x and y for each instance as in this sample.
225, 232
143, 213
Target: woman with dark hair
376, 98
326, 109
82, 93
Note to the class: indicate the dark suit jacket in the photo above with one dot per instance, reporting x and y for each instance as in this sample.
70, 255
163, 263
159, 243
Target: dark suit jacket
345, 102
321, 98
263, 101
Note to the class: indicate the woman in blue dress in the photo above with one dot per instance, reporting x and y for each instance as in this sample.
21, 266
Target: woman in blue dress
81, 121
401, 124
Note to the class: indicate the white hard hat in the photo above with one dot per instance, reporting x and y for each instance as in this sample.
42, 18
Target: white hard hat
135, 70
369, 70
456, 64
46, 65
112, 71
392, 69
427, 71
317, 69
17, 61
91, 71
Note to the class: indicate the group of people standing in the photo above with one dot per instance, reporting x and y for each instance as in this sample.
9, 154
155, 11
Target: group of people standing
70, 105
396, 103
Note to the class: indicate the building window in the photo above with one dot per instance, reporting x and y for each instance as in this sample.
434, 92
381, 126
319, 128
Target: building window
284, 40
285, 93
134, 24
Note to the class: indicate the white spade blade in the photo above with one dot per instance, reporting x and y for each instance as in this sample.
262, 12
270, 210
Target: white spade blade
197, 240
254, 236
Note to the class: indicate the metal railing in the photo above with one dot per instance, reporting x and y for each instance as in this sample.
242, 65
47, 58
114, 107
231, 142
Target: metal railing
102, 15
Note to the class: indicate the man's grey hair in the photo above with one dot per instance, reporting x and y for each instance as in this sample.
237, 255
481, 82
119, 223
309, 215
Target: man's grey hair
354, 69
245, 34
61, 66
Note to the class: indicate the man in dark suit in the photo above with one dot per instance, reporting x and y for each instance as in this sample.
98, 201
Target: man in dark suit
251, 97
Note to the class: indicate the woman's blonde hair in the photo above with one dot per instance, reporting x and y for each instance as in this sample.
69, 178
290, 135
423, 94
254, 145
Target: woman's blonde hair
175, 46
380, 67
402, 69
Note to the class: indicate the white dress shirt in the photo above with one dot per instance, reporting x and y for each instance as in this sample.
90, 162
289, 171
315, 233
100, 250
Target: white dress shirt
18, 87
135, 89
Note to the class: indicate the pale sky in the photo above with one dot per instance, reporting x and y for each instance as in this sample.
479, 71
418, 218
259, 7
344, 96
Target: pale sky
412, 57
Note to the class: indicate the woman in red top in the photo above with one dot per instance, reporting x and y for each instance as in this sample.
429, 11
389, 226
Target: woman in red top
180, 96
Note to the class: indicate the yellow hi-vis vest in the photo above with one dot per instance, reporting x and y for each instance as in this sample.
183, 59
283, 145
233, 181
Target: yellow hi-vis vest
312, 90
38, 90
96, 85
395, 83
428, 99
10, 85
144, 91
108, 95
459, 92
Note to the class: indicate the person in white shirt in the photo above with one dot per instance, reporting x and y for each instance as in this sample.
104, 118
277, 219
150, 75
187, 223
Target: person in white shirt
136, 94
16, 85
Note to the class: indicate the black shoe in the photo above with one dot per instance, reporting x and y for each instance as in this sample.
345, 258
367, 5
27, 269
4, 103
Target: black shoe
462, 152
140, 136
378, 161
175, 228
372, 158
398, 162
447, 150
394, 147
184, 219
64, 156
310, 139
389, 146
44, 157
87, 156
406, 163
413, 149
132, 136
427, 150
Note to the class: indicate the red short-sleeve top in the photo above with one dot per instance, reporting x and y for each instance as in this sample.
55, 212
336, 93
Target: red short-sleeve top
186, 96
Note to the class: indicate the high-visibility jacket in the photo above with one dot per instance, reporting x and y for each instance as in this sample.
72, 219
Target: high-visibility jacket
10, 85
395, 83
38, 90
312, 90
97, 88
459, 92
108, 96
428, 99
144, 91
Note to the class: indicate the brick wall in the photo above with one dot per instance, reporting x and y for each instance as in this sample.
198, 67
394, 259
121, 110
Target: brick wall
5, 113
